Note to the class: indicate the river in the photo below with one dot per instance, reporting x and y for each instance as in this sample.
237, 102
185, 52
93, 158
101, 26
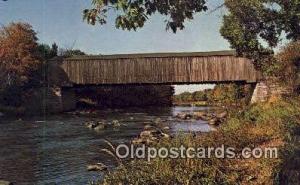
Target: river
56, 149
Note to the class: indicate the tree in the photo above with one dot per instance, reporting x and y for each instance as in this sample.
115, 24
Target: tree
134, 14
255, 27
199, 96
289, 64
48, 52
18, 53
54, 50
71, 52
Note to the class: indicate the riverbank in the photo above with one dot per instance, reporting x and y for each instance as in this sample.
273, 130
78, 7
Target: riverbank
191, 104
275, 123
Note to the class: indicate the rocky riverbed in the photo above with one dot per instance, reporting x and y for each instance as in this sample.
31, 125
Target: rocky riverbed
213, 118
62, 149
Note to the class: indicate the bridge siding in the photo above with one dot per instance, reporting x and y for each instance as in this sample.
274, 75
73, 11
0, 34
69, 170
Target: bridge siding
132, 70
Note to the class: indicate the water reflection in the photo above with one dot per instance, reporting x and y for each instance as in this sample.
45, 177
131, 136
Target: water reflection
57, 151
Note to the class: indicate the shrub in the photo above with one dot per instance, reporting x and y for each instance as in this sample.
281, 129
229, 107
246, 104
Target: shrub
289, 64
260, 125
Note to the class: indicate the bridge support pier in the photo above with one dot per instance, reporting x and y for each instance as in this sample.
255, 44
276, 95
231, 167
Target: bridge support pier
68, 99
49, 100
260, 93
271, 87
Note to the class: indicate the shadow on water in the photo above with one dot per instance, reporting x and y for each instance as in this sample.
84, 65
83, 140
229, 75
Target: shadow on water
57, 151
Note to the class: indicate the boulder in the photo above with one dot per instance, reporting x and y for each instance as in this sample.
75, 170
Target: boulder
116, 123
149, 127
202, 115
91, 124
3, 182
221, 115
212, 121
188, 116
150, 133
150, 141
166, 128
137, 141
167, 136
199, 114
1, 114
97, 167
100, 127
205, 118
184, 116
157, 121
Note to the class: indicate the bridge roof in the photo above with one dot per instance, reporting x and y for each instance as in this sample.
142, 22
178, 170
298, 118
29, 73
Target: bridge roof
155, 55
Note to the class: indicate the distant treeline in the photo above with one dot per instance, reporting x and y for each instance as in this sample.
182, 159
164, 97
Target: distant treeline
221, 94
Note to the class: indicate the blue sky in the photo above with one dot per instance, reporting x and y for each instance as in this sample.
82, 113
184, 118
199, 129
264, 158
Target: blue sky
60, 21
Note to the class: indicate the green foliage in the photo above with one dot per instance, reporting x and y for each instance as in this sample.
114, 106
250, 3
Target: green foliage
48, 52
289, 65
225, 94
134, 14
269, 129
71, 52
255, 27
200, 96
184, 97
228, 94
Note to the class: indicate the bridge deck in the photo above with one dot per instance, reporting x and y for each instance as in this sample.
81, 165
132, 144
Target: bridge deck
159, 68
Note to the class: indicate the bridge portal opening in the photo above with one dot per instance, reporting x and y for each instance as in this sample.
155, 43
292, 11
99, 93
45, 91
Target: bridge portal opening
158, 95
118, 96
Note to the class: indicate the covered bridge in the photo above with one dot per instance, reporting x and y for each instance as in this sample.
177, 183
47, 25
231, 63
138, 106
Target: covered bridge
155, 68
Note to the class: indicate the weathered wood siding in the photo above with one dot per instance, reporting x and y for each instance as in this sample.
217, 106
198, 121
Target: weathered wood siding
160, 68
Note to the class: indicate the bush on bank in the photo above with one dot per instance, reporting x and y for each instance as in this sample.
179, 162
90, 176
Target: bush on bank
275, 123
221, 94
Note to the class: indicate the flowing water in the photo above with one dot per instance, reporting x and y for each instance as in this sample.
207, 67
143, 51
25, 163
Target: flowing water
57, 149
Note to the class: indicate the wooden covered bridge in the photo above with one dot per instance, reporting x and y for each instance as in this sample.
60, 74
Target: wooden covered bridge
68, 75
156, 68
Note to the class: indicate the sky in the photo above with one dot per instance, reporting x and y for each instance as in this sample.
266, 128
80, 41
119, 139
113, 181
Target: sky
60, 21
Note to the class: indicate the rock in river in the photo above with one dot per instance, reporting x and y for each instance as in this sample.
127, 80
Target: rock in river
212, 121
2, 182
184, 116
150, 133
202, 115
157, 121
116, 123
91, 124
137, 141
167, 136
100, 126
166, 128
97, 167
221, 115
149, 127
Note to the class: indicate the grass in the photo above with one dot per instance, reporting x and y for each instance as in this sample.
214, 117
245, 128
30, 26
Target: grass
274, 123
